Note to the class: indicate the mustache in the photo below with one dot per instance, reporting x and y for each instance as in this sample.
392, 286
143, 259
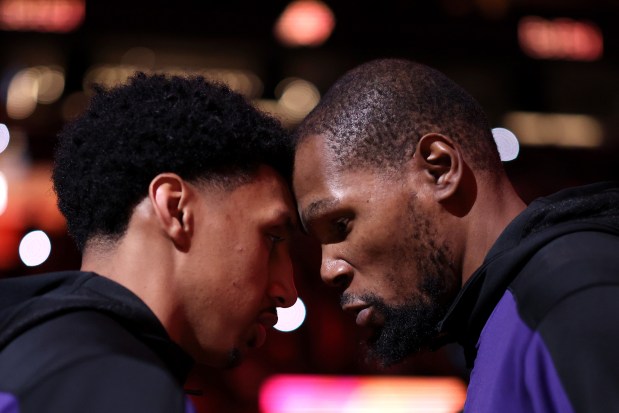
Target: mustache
367, 298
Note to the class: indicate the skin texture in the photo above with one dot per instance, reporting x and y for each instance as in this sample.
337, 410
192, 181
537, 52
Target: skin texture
212, 263
400, 243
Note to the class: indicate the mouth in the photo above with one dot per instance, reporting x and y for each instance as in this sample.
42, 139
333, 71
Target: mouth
265, 321
370, 321
365, 314
268, 318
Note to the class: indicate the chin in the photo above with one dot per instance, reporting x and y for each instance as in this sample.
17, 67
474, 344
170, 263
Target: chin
221, 360
234, 358
229, 360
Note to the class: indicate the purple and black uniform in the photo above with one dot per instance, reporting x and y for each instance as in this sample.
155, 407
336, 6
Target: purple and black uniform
78, 342
539, 320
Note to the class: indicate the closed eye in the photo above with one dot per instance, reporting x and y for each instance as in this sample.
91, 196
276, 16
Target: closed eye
331, 230
340, 228
276, 238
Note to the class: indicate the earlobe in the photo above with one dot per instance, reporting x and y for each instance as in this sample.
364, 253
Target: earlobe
169, 195
441, 161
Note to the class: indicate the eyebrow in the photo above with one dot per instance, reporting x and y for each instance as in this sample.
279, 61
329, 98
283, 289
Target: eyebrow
289, 222
315, 209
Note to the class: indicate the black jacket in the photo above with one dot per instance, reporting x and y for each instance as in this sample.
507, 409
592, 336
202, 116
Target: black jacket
539, 320
78, 342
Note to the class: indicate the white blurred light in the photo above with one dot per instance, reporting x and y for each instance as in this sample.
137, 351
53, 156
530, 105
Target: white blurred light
506, 143
298, 97
22, 94
305, 23
35, 248
4, 193
40, 84
5, 137
290, 318
50, 84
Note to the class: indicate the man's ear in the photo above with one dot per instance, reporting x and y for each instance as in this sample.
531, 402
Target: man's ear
170, 197
440, 162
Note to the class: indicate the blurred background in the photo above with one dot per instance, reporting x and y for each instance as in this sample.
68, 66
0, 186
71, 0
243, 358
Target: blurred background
545, 69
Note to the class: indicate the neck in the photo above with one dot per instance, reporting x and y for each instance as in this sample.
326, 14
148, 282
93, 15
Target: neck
139, 264
496, 206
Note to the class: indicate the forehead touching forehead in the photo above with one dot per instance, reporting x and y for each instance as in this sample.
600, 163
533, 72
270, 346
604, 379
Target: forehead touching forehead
270, 187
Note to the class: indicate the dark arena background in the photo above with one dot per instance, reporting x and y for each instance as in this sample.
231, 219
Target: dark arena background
548, 70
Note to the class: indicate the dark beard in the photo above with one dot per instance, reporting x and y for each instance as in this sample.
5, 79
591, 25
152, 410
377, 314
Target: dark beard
407, 329
411, 327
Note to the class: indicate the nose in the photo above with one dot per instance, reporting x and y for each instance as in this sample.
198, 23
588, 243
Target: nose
282, 288
335, 271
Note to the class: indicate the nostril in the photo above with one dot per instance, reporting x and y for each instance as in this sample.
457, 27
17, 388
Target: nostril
341, 281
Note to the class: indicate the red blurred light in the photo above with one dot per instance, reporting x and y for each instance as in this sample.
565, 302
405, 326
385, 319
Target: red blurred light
305, 23
350, 394
561, 38
42, 15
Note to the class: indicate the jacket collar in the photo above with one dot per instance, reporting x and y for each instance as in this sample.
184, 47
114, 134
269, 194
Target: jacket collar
590, 207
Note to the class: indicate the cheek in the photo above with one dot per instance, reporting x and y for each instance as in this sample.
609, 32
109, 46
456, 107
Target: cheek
377, 243
385, 261
249, 274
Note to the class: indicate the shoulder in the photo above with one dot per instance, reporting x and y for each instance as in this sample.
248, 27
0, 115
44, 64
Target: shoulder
87, 356
564, 269
567, 293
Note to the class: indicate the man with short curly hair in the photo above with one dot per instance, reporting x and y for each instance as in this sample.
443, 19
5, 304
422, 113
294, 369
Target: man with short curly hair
176, 190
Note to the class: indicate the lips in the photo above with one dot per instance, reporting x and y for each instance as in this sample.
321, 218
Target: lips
364, 317
361, 310
268, 318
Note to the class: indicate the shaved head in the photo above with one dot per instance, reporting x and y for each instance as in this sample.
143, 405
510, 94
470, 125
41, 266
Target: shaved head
375, 114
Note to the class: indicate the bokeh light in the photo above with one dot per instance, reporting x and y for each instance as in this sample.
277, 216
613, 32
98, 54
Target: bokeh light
5, 137
50, 84
305, 23
242, 81
506, 143
22, 94
297, 97
44, 16
291, 318
560, 38
556, 129
40, 84
35, 248
318, 394
4, 193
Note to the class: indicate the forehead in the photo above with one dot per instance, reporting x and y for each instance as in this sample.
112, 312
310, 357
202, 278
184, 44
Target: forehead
320, 183
266, 190
315, 174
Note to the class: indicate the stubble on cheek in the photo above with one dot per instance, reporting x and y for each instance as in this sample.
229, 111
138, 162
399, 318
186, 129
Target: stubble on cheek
421, 277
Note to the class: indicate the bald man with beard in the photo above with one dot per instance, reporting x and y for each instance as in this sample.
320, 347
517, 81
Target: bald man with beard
398, 177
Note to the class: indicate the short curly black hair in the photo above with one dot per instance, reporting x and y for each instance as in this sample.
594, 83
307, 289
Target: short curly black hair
375, 114
202, 131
